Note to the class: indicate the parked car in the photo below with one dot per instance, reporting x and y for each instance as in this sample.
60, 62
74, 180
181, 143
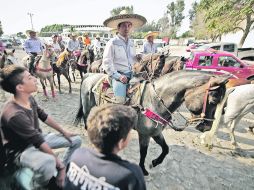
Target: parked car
219, 62
7, 43
242, 53
2, 46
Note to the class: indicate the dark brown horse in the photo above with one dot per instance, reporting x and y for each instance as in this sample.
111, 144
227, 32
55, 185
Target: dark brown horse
86, 57
157, 65
163, 96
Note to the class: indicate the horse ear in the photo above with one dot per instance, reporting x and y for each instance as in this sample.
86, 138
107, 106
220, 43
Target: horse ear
5, 52
13, 50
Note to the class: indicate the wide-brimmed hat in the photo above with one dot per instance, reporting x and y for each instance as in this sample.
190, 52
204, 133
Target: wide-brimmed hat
150, 33
30, 31
74, 34
97, 36
136, 20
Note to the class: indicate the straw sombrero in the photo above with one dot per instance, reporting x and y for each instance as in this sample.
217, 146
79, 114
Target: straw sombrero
136, 20
150, 33
29, 31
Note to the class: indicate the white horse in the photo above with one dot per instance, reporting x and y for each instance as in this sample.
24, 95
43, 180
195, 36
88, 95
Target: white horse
43, 69
8, 58
237, 102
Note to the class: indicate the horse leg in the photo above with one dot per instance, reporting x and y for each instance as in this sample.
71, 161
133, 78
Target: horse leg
143, 146
232, 130
68, 79
59, 83
160, 141
81, 74
50, 79
44, 87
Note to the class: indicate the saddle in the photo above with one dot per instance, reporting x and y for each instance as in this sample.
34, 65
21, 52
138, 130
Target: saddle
104, 92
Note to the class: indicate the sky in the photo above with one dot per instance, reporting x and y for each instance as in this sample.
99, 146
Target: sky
14, 13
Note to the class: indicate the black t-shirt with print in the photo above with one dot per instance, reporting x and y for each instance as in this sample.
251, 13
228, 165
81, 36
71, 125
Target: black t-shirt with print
89, 169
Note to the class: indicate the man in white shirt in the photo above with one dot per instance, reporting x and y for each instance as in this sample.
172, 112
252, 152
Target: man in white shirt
119, 54
55, 44
97, 48
149, 46
73, 43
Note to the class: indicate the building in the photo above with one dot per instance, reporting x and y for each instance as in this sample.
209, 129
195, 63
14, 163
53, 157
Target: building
92, 30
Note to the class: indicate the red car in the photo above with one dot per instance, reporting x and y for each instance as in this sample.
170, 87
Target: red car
219, 62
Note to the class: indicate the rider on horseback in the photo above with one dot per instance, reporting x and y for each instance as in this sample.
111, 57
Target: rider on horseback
33, 47
119, 54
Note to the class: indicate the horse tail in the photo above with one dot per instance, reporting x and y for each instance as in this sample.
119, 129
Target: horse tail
80, 114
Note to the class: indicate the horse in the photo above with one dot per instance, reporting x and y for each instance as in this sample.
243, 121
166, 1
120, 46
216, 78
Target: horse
155, 66
62, 69
237, 102
95, 67
82, 63
162, 95
8, 58
43, 69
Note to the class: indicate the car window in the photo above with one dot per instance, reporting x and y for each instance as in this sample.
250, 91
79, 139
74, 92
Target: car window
228, 61
229, 47
205, 61
216, 47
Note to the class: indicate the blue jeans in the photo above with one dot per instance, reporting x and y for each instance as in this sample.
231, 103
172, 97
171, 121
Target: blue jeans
120, 88
44, 165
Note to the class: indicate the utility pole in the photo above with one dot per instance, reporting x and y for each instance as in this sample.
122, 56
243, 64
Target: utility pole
31, 19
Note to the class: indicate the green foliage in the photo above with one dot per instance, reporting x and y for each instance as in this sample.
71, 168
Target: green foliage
21, 35
175, 11
51, 29
116, 11
224, 16
1, 29
193, 11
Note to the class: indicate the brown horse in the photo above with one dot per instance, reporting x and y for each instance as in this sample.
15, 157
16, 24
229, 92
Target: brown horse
158, 64
163, 95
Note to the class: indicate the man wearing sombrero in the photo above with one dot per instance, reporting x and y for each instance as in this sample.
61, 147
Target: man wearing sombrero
33, 47
149, 46
119, 54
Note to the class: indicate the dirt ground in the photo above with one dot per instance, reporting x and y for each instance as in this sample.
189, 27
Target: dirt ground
189, 165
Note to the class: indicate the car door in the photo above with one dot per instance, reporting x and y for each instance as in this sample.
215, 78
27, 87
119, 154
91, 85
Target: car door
228, 64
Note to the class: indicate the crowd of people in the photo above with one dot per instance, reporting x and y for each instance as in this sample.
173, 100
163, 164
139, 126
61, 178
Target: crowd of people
108, 125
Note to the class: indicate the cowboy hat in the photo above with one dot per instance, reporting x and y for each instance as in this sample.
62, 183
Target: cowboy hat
74, 34
97, 36
30, 31
136, 20
150, 33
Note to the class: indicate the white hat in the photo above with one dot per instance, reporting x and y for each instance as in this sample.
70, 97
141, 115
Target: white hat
30, 31
150, 33
136, 20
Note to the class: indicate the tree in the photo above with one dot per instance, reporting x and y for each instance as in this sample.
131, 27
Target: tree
193, 11
223, 16
51, 29
116, 11
175, 10
1, 29
21, 35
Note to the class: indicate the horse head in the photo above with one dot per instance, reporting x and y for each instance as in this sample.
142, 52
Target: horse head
49, 51
203, 99
150, 63
84, 57
8, 58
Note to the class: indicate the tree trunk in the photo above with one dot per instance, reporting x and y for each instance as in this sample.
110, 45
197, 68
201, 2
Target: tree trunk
249, 22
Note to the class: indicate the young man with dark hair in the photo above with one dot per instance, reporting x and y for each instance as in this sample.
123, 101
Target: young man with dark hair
20, 128
108, 128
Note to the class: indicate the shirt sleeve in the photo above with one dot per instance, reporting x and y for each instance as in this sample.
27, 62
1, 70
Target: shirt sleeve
26, 46
22, 125
41, 114
108, 58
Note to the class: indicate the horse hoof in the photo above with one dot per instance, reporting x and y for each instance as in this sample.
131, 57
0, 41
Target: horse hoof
145, 172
